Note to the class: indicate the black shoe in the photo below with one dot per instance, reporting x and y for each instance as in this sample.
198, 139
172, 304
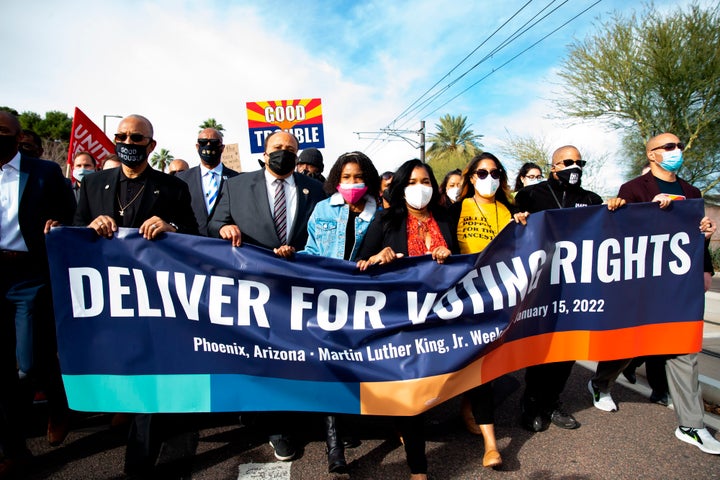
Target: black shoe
659, 398
532, 420
351, 442
284, 450
336, 460
629, 374
563, 419
534, 423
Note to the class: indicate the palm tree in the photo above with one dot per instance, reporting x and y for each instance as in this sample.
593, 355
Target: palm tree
212, 123
162, 159
453, 145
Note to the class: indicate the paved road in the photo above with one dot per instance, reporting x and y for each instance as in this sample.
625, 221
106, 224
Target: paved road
637, 442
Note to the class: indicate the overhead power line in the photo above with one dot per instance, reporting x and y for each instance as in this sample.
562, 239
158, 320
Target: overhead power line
427, 98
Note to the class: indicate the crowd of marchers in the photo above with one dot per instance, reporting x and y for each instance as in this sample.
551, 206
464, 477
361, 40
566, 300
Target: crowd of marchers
289, 207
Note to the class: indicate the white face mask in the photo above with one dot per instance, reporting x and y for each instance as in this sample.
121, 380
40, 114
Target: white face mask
487, 186
531, 181
418, 196
453, 193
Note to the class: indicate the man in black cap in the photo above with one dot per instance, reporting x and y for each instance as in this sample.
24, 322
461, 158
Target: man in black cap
310, 163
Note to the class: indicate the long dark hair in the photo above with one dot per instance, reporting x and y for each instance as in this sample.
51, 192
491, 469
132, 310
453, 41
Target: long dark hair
468, 189
370, 174
523, 172
445, 201
398, 210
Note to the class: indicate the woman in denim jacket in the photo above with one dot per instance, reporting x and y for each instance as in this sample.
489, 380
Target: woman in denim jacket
336, 229
351, 184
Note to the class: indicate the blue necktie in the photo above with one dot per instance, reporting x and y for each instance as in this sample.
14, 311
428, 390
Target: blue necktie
212, 192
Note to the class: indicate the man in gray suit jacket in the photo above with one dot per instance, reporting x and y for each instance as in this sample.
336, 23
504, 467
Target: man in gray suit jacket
246, 206
270, 208
206, 180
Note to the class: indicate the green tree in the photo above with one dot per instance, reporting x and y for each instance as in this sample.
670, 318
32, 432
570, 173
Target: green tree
31, 121
212, 123
453, 145
160, 160
652, 73
55, 126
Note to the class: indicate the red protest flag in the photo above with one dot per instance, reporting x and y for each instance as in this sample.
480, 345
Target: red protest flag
88, 137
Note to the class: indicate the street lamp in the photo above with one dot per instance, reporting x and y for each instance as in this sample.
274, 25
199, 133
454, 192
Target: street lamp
105, 117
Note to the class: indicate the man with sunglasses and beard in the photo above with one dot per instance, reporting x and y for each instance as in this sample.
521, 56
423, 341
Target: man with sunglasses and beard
661, 184
136, 196
544, 383
206, 180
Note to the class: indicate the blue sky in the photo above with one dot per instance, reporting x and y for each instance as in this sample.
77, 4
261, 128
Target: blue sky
179, 63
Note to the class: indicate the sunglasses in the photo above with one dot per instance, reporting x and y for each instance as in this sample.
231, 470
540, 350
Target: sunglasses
669, 147
204, 142
135, 137
568, 162
482, 173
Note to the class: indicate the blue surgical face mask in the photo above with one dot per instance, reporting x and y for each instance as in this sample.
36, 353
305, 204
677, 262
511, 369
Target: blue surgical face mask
672, 161
79, 173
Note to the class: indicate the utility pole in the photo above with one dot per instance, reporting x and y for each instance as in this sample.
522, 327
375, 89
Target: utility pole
400, 134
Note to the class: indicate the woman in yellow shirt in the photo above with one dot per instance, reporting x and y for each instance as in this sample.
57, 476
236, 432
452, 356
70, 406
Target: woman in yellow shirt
483, 209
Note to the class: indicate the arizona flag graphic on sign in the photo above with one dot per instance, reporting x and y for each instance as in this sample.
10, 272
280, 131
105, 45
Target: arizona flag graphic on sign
301, 117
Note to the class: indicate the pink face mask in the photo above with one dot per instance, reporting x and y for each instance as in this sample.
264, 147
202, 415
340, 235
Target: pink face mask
352, 192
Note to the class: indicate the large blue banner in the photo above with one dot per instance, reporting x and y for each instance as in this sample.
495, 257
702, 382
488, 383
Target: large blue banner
189, 323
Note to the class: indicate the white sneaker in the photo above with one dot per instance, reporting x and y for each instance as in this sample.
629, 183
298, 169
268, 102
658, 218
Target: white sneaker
602, 401
700, 437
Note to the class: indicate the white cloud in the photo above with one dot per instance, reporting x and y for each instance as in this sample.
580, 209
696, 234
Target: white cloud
179, 63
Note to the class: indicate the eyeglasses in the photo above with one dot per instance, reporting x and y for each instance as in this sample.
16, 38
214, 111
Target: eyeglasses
135, 137
669, 147
482, 173
568, 162
533, 177
213, 142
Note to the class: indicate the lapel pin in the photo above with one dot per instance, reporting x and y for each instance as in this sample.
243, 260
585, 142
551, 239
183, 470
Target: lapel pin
157, 192
107, 186
306, 191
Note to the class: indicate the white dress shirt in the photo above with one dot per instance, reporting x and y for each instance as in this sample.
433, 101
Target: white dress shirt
10, 236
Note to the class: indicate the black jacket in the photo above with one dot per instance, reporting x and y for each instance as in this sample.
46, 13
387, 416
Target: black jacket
551, 194
382, 233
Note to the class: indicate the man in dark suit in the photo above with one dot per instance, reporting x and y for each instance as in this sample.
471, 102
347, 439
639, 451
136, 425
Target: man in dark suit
136, 196
270, 208
206, 180
33, 196
661, 184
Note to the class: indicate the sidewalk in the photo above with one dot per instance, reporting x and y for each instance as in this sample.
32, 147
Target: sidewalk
709, 360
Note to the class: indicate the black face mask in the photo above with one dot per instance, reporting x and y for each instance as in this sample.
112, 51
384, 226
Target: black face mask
131, 155
281, 162
210, 155
8, 146
570, 177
